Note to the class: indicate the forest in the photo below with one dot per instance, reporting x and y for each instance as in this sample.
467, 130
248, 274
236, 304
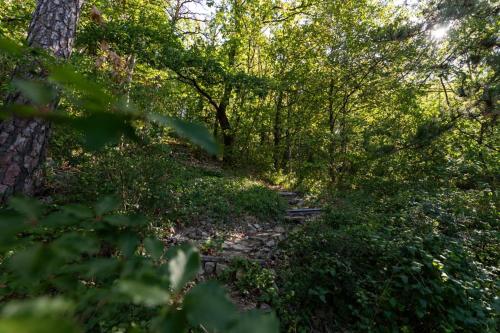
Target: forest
249, 166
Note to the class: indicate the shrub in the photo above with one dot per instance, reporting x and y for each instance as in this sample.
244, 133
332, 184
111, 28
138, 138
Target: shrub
389, 268
251, 279
167, 189
74, 266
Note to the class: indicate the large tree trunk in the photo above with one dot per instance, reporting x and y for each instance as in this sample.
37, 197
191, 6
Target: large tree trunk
23, 142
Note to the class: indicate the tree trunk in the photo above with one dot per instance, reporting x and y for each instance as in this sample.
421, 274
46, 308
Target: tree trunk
277, 130
23, 142
287, 155
225, 125
331, 124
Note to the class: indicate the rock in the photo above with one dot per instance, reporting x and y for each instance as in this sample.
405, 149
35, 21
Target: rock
287, 194
265, 307
209, 267
47, 200
256, 226
239, 247
251, 219
191, 233
227, 245
279, 229
262, 254
271, 243
220, 268
231, 254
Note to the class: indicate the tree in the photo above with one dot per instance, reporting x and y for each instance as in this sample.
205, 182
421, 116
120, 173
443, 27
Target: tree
23, 141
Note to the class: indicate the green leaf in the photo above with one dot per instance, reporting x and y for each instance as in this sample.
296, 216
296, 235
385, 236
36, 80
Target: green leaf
11, 223
118, 220
41, 315
99, 268
30, 208
34, 263
73, 245
101, 128
92, 97
196, 133
37, 325
255, 321
207, 305
128, 243
57, 219
174, 321
142, 293
154, 247
43, 306
9, 47
125, 220
38, 92
106, 205
184, 264
78, 211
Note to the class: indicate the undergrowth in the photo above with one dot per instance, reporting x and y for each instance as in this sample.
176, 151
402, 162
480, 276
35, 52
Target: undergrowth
415, 262
167, 183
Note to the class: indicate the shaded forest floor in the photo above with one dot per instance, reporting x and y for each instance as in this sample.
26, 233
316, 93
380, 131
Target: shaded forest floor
236, 221
227, 249
388, 248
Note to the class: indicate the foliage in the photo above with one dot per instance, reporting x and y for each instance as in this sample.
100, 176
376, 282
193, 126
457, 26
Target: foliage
415, 262
73, 266
252, 280
385, 111
102, 267
169, 184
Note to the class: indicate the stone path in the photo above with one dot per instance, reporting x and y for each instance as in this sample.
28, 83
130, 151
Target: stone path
248, 239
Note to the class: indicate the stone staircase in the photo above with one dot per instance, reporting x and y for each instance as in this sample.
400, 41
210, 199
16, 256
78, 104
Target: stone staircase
258, 242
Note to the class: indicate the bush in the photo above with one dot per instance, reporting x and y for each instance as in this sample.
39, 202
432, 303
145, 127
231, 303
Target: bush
392, 267
71, 267
252, 280
168, 189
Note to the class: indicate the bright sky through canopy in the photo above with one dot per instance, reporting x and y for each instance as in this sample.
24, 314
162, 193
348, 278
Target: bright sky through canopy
439, 32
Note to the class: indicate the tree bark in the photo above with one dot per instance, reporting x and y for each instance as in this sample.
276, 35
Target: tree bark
331, 124
287, 155
225, 125
23, 142
277, 130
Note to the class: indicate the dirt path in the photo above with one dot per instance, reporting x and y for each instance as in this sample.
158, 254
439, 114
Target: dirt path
248, 239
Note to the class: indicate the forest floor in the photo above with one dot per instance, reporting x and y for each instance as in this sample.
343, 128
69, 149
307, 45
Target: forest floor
245, 240
237, 221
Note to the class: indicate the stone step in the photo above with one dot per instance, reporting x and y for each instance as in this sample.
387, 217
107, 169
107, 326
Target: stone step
303, 211
296, 219
295, 201
218, 264
288, 194
225, 259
